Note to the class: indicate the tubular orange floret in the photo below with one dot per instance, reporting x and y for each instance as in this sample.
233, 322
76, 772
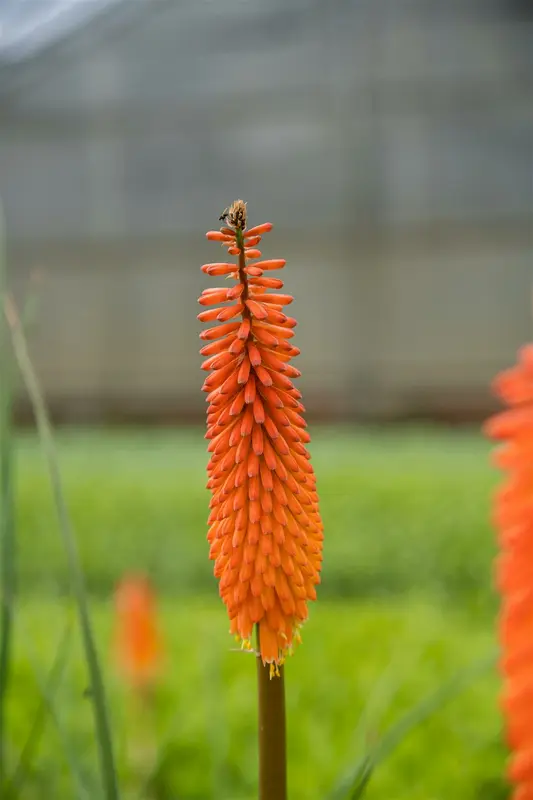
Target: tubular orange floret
513, 516
265, 529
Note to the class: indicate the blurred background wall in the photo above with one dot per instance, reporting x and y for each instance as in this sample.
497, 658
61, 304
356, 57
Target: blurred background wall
389, 141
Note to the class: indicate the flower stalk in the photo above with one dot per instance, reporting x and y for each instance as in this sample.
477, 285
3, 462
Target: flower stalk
272, 731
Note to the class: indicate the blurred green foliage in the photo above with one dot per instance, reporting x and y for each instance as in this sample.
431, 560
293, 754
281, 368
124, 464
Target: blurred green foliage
404, 511
406, 601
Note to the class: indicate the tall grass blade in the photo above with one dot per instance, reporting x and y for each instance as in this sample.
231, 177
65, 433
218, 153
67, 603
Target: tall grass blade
46, 691
7, 517
384, 690
353, 788
48, 688
105, 744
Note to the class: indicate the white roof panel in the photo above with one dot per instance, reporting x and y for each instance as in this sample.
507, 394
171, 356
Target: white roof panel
27, 26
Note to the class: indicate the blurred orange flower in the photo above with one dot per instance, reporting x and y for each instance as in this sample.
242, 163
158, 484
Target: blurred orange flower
514, 569
265, 526
137, 640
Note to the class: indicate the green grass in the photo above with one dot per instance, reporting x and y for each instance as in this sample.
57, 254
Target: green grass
206, 703
406, 601
403, 512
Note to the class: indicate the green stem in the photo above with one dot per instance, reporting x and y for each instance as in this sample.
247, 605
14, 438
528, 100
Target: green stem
44, 427
7, 522
272, 737
46, 707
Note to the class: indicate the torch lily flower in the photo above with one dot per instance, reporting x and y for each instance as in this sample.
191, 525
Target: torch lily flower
265, 529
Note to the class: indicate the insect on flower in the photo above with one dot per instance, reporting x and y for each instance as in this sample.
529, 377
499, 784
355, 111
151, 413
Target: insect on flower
265, 529
513, 516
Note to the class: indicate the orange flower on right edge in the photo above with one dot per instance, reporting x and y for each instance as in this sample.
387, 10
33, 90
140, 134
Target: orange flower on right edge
514, 569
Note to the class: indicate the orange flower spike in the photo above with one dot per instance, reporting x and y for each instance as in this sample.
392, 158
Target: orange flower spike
138, 647
513, 515
265, 529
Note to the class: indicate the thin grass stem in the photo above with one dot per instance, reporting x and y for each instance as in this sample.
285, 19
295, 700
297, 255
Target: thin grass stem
19, 777
44, 427
7, 518
47, 687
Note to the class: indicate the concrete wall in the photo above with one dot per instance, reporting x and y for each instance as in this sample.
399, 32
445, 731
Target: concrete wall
390, 142
406, 325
